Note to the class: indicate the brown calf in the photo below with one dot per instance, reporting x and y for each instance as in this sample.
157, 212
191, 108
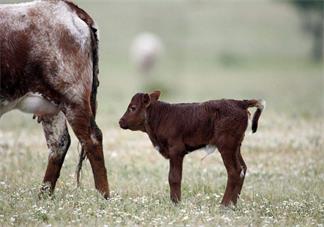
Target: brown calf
49, 67
177, 129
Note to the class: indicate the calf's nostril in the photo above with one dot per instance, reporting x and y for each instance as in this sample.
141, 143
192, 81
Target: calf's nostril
122, 123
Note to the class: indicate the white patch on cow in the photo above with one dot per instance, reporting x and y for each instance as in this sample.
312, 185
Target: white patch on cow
94, 139
57, 129
242, 174
261, 104
20, 7
78, 28
18, 10
51, 152
157, 148
210, 149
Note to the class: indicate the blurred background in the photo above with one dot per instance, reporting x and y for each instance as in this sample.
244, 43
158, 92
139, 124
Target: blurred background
199, 50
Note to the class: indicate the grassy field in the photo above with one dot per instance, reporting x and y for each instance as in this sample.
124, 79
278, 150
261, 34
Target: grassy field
221, 49
284, 183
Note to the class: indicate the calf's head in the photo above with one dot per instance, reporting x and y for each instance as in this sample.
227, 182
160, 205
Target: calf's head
135, 115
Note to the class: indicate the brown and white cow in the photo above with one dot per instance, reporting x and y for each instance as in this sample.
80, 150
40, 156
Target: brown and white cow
49, 67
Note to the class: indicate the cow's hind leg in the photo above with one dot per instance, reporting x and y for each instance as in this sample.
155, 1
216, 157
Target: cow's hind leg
85, 128
58, 142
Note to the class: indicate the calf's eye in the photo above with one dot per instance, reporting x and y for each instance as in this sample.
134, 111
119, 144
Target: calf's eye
132, 108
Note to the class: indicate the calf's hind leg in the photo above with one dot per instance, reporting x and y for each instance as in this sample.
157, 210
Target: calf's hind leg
85, 128
58, 142
231, 162
242, 167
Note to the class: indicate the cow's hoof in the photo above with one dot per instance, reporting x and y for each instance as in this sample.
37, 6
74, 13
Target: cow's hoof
45, 192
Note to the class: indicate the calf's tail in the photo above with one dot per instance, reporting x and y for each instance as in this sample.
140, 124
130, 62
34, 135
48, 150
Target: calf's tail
260, 105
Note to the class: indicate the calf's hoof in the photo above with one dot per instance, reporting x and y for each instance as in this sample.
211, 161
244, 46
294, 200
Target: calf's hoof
227, 206
175, 200
105, 195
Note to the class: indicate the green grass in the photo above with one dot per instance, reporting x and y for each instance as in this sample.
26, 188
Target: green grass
284, 184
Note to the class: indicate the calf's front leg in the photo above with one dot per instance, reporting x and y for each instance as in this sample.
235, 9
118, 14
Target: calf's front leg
175, 176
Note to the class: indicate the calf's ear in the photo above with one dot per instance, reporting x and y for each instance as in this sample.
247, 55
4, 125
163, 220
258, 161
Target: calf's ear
146, 100
150, 98
155, 96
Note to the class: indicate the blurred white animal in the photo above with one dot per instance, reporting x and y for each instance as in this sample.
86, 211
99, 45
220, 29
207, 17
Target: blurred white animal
145, 52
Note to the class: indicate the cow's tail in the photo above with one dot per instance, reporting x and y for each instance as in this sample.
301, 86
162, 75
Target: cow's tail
93, 97
95, 69
260, 105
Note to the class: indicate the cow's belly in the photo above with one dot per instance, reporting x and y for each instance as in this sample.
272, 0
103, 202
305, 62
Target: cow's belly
30, 103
